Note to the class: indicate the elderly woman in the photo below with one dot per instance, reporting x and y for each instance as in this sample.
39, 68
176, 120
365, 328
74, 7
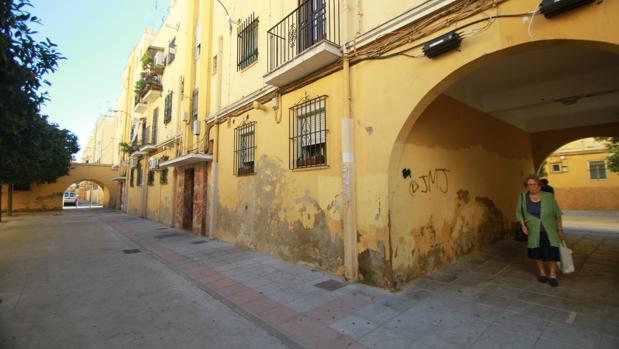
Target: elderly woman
540, 218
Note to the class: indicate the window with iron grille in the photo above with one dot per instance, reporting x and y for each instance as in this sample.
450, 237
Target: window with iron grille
214, 71
167, 112
198, 39
247, 42
139, 176
131, 177
151, 177
163, 176
244, 149
171, 50
308, 133
555, 167
155, 121
597, 169
194, 105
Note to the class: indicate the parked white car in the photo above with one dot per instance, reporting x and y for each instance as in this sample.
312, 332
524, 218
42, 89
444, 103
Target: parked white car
69, 198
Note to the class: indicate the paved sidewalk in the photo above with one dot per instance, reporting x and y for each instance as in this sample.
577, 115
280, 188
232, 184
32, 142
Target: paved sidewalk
488, 299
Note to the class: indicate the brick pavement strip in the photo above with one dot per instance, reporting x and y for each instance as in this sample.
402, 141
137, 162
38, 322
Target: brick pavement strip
479, 301
300, 330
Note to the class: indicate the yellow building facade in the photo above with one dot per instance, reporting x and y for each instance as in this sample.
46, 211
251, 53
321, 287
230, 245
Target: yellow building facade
321, 132
101, 144
579, 173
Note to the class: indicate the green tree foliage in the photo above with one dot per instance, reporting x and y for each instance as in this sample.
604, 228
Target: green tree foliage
613, 148
31, 148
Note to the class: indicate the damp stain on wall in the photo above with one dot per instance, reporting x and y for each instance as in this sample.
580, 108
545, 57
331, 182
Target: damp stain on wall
269, 216
474, 222
375, 267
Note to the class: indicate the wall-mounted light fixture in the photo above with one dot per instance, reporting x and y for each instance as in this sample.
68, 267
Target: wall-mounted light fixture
442, 44
552, 8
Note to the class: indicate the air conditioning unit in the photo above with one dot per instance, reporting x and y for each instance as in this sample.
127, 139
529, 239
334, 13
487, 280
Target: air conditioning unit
159, 59
153, 163
133, 162
196, 127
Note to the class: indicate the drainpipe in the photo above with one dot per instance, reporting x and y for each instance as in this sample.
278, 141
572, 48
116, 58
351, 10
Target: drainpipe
349, 192
144, 188
212, 224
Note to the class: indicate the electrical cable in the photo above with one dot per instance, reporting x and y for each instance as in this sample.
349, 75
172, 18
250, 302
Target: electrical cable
489, 18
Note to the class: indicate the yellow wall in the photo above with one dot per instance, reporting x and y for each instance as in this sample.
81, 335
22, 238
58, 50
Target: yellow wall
460, 191
401, 120
101, 144
49, 196
293, 214
574, 187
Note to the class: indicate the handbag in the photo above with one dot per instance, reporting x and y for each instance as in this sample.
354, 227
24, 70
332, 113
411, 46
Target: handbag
519, 234
566, 265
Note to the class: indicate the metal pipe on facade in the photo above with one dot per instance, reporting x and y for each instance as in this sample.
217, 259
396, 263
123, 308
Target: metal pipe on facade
349, 192
212, 226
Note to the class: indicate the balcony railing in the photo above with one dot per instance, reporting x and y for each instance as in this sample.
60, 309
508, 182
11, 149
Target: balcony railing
314, 21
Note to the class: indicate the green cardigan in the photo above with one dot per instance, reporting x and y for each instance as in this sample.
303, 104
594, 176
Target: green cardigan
550, 213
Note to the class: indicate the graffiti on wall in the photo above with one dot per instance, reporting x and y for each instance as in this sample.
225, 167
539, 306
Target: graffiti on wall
436, 180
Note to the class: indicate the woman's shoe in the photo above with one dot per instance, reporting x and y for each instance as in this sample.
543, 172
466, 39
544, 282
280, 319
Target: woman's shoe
542, 278
553, 282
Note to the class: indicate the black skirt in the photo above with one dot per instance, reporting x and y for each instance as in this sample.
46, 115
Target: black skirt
545, 252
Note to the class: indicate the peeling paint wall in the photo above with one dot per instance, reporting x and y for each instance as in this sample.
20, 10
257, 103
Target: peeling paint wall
292, 214
159, 198
457, 186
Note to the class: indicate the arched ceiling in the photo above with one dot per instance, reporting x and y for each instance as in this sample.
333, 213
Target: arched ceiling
546, 89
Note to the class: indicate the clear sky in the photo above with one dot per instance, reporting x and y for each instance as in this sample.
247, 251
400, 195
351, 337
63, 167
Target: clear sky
96, 37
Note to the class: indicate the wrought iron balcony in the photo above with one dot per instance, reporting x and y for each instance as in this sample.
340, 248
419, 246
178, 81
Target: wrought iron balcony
312, 31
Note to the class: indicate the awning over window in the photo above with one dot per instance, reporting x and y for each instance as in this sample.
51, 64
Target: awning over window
187, 160
119, 178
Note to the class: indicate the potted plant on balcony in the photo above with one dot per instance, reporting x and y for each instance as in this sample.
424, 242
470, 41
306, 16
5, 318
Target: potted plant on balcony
128, 148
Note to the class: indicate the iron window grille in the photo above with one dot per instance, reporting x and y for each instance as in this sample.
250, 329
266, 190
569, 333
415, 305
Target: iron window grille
145, 134
194, 105
247, 43
597, 169
308, 133
151, 177
167, 112
153, 139
163, 176
139, 176
171, 50
244, 149
214, 71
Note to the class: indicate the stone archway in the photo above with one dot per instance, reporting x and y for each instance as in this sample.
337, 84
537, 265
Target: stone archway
100, 195
458, 162
390, 96
48, 196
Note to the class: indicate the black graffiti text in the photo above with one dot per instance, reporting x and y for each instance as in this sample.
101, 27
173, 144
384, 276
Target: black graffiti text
434, 180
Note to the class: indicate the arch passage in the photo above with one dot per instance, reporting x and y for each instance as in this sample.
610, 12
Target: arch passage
48, 196
458, 165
